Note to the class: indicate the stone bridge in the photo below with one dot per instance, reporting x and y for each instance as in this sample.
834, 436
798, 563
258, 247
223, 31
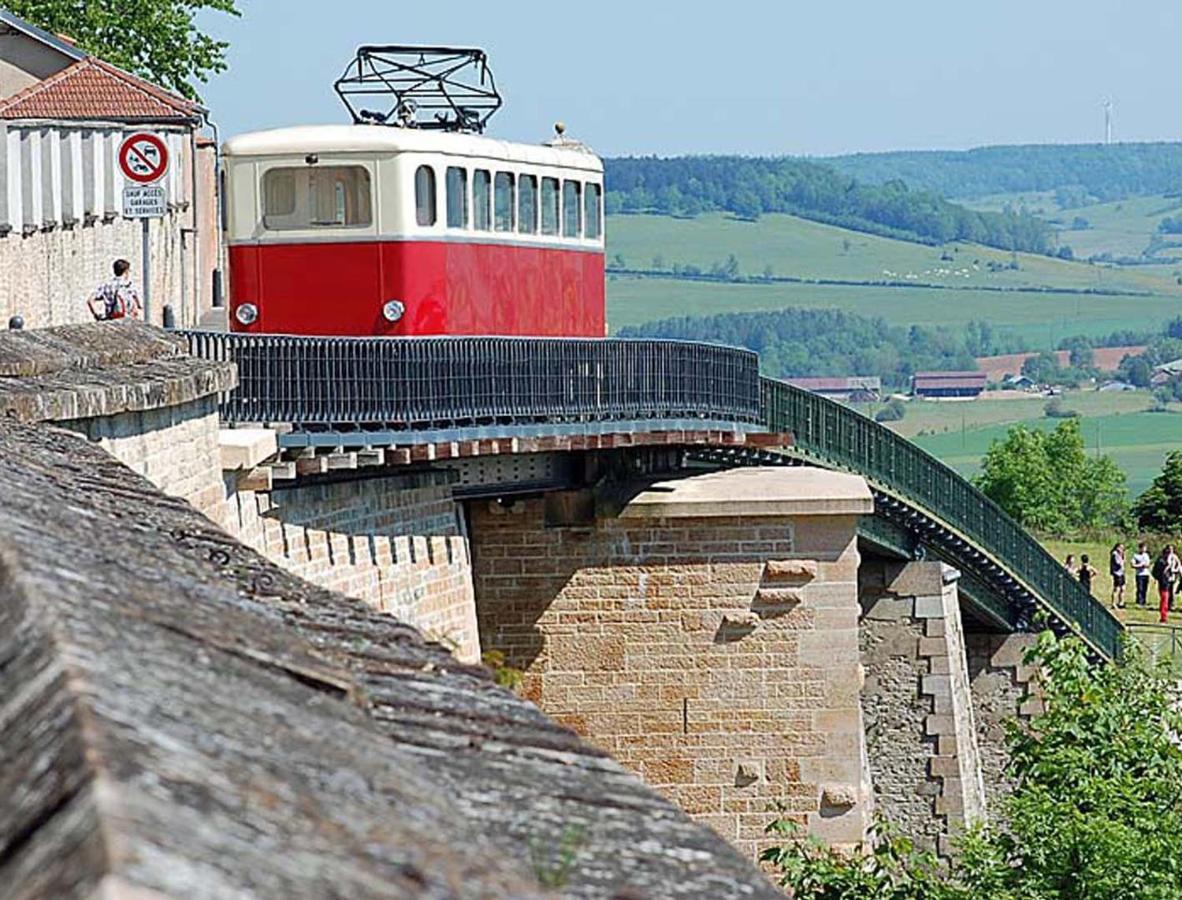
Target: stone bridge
734, 636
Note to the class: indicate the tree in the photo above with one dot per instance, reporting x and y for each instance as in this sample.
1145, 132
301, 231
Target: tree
153, 38
894, 411
1135, 370
1095, 813
1160, 507
1042, 368
1047, 481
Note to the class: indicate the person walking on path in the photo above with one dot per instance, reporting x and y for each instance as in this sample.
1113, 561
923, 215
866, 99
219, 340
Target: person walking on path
1141, 563
1086, 572
1116, 568
1069, 564
117, 298
1161, 574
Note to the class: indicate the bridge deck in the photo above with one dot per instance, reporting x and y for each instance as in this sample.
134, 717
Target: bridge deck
457, 393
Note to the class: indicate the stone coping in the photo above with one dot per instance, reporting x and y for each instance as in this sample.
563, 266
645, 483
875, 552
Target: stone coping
94, 345
99, 369
762, 491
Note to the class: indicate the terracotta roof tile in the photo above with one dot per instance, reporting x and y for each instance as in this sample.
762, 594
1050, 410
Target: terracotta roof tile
92, 89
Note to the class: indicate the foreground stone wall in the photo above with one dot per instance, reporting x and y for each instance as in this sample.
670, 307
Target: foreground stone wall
398, 543
920, 732
716, 655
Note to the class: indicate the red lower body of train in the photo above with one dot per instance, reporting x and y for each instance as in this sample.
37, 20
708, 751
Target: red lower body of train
446, 288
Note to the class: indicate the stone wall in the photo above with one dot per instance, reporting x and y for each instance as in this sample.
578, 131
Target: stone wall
49, 274
999, 682
174, 447
716, 655
920, 732
397, 543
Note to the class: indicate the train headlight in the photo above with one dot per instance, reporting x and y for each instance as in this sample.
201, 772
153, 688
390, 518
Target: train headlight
246, 313
393, 310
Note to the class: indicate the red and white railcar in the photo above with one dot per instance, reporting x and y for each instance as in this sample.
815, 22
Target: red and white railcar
378, 230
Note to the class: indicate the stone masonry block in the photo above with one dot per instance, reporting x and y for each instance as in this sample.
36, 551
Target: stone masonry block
936, 684
940, 724
933, 647
890, 609
929, 607
790, 569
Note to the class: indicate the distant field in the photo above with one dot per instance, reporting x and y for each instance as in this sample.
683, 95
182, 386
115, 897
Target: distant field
1137, 441
800, 248
1121, 227
1041, 320
936, 417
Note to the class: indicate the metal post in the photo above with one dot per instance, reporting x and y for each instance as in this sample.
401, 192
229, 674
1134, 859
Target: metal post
147, 275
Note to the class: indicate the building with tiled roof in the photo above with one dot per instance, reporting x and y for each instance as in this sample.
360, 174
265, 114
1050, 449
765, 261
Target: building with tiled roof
64, 113
92, 90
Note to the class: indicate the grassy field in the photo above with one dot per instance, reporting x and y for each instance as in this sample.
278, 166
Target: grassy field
1097, 551
1120, 227
1137, 441
1040, 319
798, 248
936, 418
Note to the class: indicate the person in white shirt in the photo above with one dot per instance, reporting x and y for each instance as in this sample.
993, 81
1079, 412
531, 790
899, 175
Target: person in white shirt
1141, 563
117, 298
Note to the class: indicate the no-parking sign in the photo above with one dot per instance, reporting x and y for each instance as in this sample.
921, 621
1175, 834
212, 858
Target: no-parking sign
143, 159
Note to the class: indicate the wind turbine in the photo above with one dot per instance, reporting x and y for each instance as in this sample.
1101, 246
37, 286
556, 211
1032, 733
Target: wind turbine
1106, 104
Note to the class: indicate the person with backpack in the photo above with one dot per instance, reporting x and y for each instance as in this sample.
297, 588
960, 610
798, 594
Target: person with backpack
1116, 568
1165, 582
117, 298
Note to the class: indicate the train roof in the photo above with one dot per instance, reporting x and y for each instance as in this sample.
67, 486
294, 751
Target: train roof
387, 139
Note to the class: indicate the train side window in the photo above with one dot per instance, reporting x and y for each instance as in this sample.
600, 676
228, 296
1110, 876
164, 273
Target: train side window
279, 192
481, 189
425, 195
316, 197
457, 197
503, 201
571, 212
549, 206
592, 217
527, 205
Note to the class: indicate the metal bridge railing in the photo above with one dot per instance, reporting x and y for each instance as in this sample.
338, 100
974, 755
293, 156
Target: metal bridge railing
410, 383
837, 435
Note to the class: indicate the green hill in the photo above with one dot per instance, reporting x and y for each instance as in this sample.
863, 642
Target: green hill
1097, 171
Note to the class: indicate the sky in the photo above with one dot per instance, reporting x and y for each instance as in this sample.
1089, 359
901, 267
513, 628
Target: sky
756, 78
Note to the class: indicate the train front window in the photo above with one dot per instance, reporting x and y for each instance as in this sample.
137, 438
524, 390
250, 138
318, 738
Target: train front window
481, 189
457, 197
571, 201
425, 195
549, 206
527, 205
503, 202
309, 197
591, 215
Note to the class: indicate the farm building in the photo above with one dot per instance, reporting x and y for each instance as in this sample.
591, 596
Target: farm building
947, 384
1166, 372
860, 388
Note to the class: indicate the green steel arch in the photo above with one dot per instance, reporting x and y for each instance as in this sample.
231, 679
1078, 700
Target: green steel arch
923, 505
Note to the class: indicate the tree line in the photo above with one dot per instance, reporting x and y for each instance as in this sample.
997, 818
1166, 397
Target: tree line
750, 187
795, 342
1078, 173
